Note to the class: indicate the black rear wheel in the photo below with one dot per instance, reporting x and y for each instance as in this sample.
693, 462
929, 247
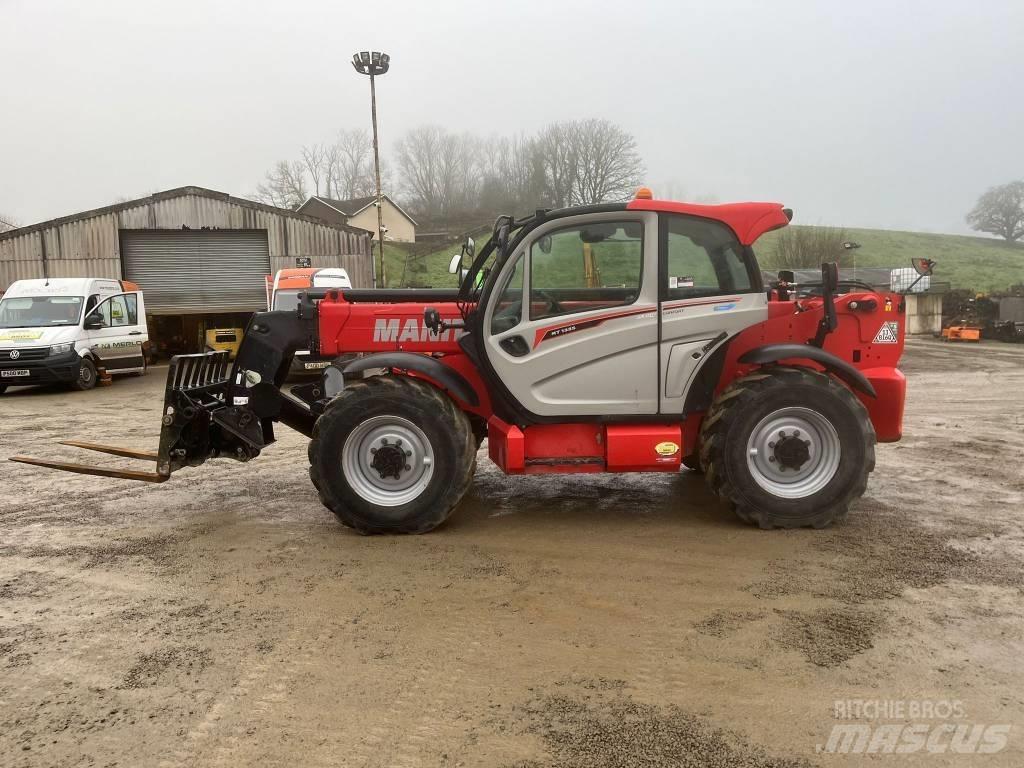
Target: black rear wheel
788, 447
3, 388
392, 454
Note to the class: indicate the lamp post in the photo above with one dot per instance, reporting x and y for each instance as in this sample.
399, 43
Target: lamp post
851, 246
373, 64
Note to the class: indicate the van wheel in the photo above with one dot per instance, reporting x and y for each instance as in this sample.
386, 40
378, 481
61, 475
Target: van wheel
788, 447
86, 375
392, 454
3, 388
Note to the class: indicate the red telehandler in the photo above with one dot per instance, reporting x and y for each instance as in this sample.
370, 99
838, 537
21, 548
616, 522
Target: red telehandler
632, 337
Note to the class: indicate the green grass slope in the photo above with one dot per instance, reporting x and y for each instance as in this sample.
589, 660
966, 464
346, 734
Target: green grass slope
979, 263
407, 265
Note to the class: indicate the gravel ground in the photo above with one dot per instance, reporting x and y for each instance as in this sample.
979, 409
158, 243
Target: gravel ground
224, 618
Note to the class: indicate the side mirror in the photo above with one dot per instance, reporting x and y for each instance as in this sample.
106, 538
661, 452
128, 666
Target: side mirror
923, 267
470, 247
455, 264
93, 322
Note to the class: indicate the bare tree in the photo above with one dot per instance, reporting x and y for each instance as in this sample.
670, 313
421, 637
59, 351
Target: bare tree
509, 179
587, 161
417, 154
1000, 211
442, 173
807, 247
608, 165
350, 165
557, 155
284, 185
314, 159
7, 223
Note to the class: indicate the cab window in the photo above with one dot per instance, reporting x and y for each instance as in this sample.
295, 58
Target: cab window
115, 313
131, 301
703, 258
586, 267
508, 309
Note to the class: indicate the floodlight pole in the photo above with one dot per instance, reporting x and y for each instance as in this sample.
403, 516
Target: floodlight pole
373, 64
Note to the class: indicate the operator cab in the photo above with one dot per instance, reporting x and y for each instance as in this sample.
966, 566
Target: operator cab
579, 298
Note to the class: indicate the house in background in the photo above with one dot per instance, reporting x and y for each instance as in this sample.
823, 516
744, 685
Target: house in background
361, 212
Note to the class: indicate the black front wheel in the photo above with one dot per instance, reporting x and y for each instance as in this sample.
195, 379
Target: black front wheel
392, 454
788, 447
86, 375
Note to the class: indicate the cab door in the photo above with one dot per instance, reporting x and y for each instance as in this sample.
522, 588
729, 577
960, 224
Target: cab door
572, 328
116, 332
710, 291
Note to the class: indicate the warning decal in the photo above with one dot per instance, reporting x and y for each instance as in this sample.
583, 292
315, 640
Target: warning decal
887, 334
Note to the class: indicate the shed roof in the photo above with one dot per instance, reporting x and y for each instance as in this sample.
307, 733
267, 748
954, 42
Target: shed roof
172, 193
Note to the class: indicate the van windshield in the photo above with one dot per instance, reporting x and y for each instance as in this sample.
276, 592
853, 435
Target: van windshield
39, 311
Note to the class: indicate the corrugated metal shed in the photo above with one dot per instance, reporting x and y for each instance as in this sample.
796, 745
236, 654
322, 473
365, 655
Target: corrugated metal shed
88, 244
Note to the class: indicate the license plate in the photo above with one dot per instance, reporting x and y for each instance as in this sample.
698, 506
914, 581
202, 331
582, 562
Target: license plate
316, 366
10, 374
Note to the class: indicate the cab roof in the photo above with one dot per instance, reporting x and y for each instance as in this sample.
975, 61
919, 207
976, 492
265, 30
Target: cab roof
748, 220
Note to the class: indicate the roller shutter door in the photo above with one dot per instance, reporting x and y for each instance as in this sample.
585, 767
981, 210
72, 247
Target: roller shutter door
193, 271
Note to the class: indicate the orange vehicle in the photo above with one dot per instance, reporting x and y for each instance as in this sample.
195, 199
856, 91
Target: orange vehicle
961, 333
283, 291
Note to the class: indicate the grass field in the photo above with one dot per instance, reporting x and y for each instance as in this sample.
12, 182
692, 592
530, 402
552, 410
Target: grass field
979, 263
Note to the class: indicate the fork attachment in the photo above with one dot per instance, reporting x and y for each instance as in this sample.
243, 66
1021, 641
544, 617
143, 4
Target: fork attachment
194, 382
212, 409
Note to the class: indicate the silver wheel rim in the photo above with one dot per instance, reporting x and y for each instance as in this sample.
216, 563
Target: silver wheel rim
372, 450
771, 445
86, 374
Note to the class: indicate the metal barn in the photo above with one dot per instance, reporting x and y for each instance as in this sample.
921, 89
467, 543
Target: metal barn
200, 256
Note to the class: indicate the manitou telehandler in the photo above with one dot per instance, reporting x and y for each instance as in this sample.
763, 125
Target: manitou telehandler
633, 337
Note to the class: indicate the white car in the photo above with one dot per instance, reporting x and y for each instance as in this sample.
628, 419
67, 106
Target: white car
64, 329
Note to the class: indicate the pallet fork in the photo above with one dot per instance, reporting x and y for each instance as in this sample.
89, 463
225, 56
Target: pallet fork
194, 382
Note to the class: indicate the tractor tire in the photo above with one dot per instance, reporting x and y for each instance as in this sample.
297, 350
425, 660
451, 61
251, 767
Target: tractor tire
392, 454
787, 447
86, 375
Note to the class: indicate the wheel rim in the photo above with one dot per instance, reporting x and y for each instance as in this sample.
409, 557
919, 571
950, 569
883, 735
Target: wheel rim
387, 460
793, 452
86, 374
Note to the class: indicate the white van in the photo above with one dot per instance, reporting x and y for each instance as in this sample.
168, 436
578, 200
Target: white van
283, 291
63, 329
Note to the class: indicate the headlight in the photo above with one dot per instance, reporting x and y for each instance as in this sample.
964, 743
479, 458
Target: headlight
60, 349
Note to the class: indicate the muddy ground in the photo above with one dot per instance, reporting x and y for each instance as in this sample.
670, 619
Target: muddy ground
225, 618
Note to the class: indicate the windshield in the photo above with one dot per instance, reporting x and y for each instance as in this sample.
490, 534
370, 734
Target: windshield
39, 311
287, 299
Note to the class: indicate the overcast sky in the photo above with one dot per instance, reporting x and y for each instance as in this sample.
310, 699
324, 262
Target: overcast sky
875, 113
